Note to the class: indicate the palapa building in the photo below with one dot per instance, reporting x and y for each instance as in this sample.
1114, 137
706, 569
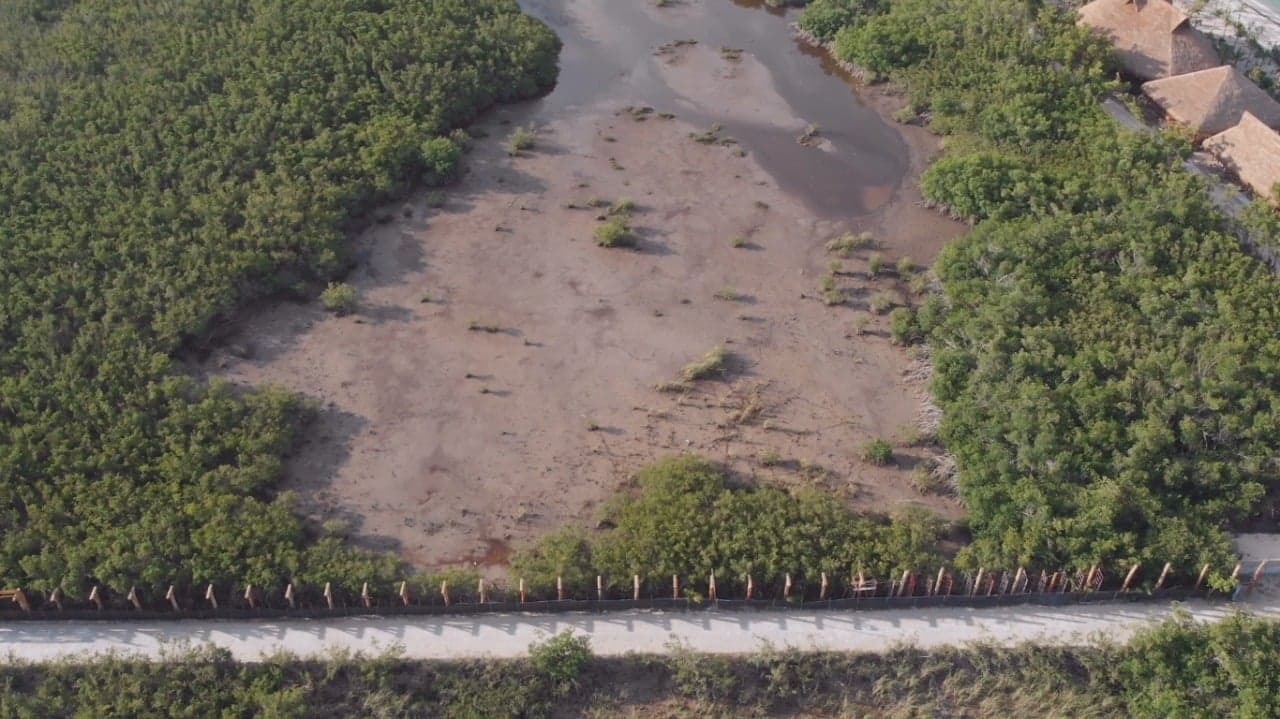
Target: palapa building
1152, 38
1212, 101
1251, 150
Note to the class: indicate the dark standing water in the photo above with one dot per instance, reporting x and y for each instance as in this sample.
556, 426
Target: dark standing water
609, 56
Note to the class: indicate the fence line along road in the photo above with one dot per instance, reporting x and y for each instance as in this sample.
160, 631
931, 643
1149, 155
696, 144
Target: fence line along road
509, 635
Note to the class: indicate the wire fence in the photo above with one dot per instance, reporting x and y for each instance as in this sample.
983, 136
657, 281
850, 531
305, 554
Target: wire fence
857, 593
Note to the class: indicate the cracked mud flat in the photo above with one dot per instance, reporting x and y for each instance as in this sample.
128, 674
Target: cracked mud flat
453, 444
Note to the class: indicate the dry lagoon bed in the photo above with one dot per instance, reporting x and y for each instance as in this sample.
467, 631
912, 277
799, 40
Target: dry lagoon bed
498, 379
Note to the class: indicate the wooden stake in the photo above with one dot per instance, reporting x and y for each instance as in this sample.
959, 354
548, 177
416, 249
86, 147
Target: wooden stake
522, 590
210, 597
635, 587
1020, 581
1128, 578
560, 589
250, 597
364, 595
1257, 575
599, 588
977, 582
902, 586
288, 595
822, 590
56, 598
1204, 572
786, 587
751, 587
1088, 580
444, 592
1163, 574
711, 587
133, 598
20, 598
937, 583
328, 595
484, 596
96, 597
675, 586
172, 596
405, 597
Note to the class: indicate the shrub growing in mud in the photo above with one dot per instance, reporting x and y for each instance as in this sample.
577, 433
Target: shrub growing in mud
614, 232
339, 298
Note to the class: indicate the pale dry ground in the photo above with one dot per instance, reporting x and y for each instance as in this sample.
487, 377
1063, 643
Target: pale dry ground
451, 444
509, 635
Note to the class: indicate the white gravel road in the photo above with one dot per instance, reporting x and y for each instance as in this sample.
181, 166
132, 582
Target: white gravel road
611, 634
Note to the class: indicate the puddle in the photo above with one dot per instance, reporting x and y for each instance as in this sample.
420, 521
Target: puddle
609, 60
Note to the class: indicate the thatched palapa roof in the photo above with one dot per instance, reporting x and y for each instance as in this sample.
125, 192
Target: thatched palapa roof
1252, 151
1152, 37
1211, 101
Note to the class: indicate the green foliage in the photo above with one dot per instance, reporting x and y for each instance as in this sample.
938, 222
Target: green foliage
521, 139
822, 19
878, 451
339, 298
614, 232
1104, 352
1176, 669
685, 519
904, 327
162, 164
561, 659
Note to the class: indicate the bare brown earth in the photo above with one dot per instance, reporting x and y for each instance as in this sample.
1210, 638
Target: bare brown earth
452, 443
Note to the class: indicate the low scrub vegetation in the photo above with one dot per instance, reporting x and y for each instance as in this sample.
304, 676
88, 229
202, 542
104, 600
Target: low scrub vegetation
685, 518
1176, 669
1104, 350
711, 364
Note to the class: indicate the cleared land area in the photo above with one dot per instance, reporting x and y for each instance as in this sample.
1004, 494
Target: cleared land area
499, 377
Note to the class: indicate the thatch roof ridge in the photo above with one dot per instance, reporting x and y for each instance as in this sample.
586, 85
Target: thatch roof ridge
1153, 38
1251, 150
1213, 100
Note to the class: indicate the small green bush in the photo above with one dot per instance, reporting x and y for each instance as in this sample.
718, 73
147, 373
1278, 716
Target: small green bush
521, 139
709, 365
561, 659
614, 232
339, 298
878, 452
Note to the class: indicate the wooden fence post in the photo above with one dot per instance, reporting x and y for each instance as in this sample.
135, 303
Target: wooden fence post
522, 590
1164, 573
484, 596
288, 595
635, 587
328, 595
405, 597
822, 588
1257, 575
210, 597
675, 586
711, 587
1020, 581
95, 597
56, 597
172, 596
1088, 580
444, 591
974, 589
250, 597
1204, 572
20, 598
599, 588
1128, 578
902, 587
133, 598
751, 587
560, 589
364, 595
786, 587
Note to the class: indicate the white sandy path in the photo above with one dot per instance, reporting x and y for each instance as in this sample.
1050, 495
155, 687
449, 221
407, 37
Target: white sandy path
611, 634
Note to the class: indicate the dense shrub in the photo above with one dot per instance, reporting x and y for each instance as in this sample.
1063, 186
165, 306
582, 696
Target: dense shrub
161, 164
1105, 352
684, 518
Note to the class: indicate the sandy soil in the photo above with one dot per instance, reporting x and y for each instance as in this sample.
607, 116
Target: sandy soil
452, 444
